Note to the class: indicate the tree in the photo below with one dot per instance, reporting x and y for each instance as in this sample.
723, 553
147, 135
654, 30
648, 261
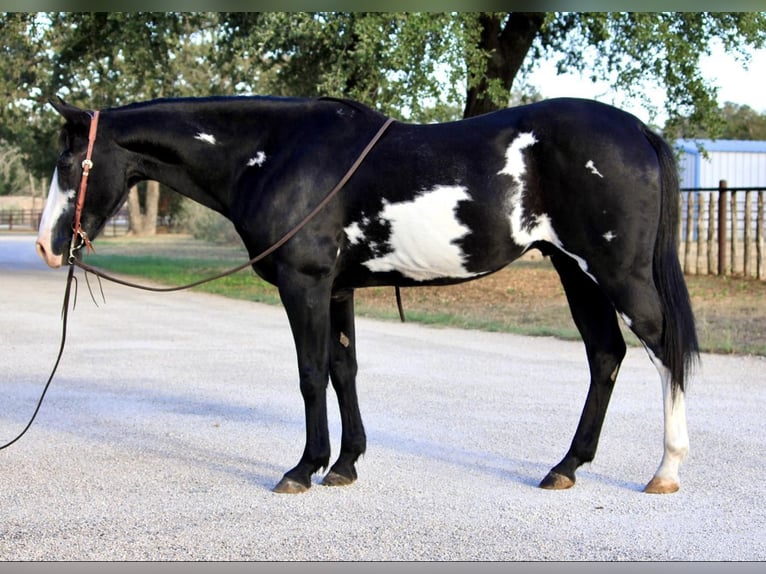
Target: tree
738, 123
23, 69
496, 47
366, 55
402, 64
125, 56
632, 49
12, 176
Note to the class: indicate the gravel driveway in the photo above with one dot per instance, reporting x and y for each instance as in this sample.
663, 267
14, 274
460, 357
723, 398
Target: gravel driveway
173, 415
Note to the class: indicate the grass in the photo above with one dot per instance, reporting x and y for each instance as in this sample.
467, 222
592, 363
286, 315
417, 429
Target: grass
524, 298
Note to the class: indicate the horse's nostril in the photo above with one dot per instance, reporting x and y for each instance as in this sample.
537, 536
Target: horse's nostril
48, 256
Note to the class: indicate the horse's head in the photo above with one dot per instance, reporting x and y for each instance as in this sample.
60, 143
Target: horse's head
106, 186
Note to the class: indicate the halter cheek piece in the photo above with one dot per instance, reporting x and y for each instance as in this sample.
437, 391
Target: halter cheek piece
80, 238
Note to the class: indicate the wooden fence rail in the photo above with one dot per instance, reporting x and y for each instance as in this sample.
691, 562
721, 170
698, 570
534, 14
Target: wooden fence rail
11, 219
29, 220
722, 231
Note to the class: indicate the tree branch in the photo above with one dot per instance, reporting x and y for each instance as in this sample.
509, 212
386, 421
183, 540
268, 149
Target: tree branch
506, 46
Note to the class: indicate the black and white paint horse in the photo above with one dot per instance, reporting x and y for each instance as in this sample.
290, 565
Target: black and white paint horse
585, 183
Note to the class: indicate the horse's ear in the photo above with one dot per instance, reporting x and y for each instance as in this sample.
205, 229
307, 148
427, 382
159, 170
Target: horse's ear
68, 111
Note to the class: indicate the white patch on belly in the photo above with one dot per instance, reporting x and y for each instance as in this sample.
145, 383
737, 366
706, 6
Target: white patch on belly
258, 160
592, 167
423, 236
207, 138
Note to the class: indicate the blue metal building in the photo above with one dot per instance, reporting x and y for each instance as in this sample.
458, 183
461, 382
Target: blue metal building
741, 163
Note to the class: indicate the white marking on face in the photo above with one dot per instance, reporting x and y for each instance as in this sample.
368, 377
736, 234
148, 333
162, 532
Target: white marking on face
423, 236
207, 138
57, 203
609, 235
258, 159
592, 167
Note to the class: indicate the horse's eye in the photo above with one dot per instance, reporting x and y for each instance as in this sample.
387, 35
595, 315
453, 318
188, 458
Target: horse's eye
66, 160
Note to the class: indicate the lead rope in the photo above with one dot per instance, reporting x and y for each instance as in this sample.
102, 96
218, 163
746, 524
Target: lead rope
80, 238
64, 318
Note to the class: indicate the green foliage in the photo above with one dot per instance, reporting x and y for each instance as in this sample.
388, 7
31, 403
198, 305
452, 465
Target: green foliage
631, 49
404, 64
737, 122
13, 176
206, 224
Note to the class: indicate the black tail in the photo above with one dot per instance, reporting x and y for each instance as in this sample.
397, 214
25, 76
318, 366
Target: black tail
679, 341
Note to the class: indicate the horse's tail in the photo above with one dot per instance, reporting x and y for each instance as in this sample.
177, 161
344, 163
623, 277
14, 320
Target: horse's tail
679, 339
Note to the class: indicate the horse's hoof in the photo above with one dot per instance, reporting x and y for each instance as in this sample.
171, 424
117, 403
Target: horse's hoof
661, 486
556, 481
334, 479
289, 486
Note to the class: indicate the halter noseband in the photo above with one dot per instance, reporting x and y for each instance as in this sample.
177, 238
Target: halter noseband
80, 238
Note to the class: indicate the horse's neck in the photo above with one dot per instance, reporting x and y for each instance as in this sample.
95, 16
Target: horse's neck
178, 162
185, 181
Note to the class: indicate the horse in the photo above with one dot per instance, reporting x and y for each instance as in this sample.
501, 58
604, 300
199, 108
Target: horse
590, 186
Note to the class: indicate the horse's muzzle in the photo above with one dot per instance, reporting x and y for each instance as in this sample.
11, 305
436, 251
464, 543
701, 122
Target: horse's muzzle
45, 251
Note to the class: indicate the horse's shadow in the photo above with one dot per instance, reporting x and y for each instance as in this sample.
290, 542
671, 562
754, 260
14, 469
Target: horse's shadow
257, 471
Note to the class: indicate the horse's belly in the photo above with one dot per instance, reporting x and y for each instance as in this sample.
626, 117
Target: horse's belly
420, 239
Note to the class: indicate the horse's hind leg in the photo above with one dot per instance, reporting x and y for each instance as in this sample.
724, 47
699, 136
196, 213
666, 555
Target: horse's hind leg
343, 369
595, 317
639, 303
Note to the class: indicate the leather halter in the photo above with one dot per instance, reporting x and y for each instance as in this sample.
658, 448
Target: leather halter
80, 238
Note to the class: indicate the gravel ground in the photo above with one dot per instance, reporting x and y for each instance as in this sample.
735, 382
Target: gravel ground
173, 415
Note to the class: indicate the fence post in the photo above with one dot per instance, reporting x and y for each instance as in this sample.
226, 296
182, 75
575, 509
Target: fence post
748, 234
700, 235
734, 233
760, 272
711, 235
722, 227
689, 239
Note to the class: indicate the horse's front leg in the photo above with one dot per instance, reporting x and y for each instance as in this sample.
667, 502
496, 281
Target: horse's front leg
343, 369
307, 302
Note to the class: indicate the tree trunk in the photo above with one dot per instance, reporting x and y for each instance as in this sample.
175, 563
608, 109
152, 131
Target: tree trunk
33, 191
506, 47
144, 221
